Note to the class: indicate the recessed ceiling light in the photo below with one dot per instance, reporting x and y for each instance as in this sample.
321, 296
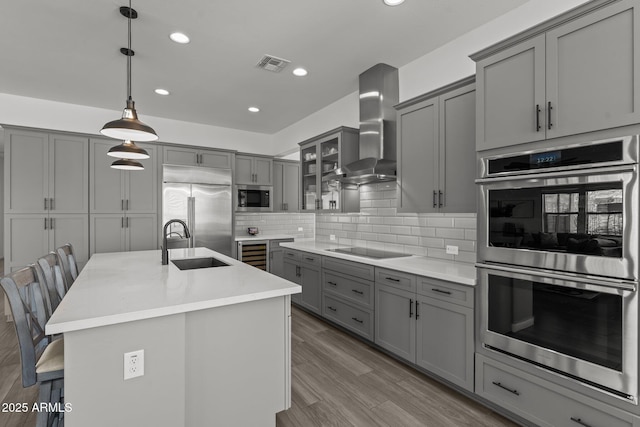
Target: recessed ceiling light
179, 38
254, 109
393, 2
162, 91
300, 72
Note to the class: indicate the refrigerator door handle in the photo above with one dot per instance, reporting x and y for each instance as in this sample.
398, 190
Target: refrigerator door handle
191, 218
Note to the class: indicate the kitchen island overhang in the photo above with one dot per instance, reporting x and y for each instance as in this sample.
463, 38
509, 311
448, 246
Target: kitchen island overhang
216, 341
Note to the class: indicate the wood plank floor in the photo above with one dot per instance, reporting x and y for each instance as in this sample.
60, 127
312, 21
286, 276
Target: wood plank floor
336, 381
340, 381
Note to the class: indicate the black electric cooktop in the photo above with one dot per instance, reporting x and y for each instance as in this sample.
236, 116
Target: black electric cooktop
369, 253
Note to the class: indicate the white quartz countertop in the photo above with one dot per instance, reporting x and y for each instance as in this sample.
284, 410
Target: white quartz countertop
128, 286
456, 272
264, 237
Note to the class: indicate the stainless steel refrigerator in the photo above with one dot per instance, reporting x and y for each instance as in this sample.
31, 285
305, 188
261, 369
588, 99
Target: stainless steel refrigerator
201, 197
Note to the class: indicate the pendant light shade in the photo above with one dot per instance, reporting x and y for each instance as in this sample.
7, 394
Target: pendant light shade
128, 150
127, 165
129, 127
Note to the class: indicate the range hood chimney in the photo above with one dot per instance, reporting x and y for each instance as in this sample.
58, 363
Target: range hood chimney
378, 94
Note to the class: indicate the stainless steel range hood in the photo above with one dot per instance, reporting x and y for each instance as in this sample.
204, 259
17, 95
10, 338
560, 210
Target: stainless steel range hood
378, 94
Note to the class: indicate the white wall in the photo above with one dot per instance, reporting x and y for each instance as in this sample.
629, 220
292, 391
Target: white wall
39, 113
445, 65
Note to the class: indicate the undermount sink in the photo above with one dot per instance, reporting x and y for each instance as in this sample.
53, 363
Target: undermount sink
193, 263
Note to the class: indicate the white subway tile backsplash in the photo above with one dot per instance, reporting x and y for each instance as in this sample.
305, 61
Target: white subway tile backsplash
380, 226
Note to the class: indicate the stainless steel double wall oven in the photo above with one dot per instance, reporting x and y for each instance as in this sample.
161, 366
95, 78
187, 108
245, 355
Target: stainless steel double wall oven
558, 260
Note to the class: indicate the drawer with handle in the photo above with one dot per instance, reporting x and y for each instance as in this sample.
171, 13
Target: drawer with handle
348, 287
446, 291
356, 269
291, 255
396, 279
311, 259
538, 401
355, 319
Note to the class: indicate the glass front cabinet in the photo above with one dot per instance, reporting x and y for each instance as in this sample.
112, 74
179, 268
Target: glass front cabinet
320, 156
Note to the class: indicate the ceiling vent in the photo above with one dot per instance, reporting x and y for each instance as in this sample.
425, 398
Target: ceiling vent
272, 63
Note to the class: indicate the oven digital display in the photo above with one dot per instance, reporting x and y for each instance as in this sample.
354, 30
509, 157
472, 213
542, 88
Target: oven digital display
545, 159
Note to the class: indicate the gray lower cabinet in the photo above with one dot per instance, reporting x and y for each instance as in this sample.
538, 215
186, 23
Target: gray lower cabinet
304, 269
436, 150
347, 295
30, 236
395, 325
428, 322
542, 402
276, 256
117, 232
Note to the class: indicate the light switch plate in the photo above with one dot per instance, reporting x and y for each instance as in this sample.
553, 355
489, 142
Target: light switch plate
332, 237
452, 250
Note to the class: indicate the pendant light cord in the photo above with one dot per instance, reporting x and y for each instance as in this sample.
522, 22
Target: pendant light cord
129, 55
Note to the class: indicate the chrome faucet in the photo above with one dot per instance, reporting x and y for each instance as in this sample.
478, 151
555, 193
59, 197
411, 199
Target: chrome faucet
165, 250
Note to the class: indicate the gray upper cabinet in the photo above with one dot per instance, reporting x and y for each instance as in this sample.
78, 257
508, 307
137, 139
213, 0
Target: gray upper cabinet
116, 191
254, 170
570, 75
286, 186
197, 157
46, 172
321, 155
436, 150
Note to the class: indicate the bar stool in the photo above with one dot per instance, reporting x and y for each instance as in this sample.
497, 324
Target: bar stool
42, 359
50, 274
69, 263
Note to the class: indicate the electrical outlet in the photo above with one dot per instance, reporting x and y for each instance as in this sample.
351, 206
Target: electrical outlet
133, 364
300, 229
332, 237
452, 250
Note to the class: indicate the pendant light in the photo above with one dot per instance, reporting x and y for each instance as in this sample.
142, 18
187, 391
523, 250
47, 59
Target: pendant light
127, 165
129, 127
128, 150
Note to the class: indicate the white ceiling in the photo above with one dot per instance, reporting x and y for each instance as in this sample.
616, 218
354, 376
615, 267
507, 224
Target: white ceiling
68, 51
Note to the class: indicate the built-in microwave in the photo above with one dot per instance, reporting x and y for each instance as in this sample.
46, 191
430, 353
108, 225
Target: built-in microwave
254, 198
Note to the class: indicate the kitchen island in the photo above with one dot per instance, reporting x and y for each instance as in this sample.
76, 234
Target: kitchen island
216, 342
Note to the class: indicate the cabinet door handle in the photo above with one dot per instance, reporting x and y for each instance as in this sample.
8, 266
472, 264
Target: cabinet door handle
52, 223
417, 309
579, 421
45, 223
122, 222
333, 283
127, 204
549, 108
357, 292
441, 291
538, 118
410, 308
357, 320
510, 390
331, 308
46, 204
51, 203
440, 194
392, 279
435, 196
121, 204
309, 259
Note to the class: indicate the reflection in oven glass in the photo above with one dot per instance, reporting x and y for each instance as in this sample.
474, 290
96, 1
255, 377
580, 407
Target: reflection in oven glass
575, 322
579, 219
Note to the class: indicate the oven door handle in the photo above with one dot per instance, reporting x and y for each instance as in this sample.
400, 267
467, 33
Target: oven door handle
626, 285
558, 174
